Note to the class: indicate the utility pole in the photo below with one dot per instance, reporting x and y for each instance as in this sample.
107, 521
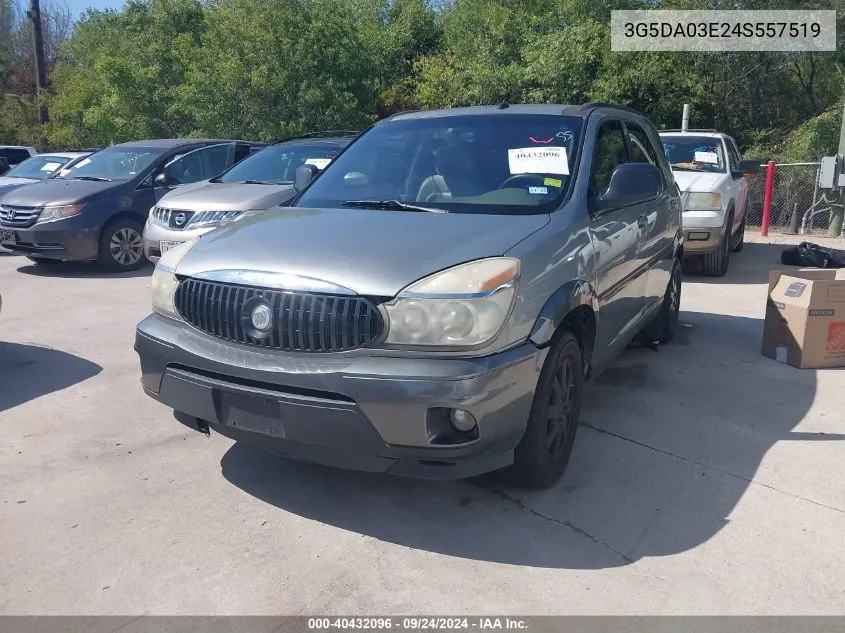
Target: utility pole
837, 213
34, 14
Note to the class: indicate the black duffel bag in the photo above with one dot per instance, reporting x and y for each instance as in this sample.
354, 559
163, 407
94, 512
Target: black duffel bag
809, 255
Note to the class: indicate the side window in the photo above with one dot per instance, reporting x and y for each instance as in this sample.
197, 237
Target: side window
198, 165
733, 154
642, 151
609, 153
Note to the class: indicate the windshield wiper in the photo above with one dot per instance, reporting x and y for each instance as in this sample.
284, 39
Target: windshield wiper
256, 182
94, 178
389, 205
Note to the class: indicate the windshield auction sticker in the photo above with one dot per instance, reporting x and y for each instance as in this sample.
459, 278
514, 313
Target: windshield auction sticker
711, 31
538, 160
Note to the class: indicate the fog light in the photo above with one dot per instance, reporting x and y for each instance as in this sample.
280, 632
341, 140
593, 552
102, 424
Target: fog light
462, 420
698, 237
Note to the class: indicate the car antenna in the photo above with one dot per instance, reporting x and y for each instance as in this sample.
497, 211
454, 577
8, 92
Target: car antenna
504, 105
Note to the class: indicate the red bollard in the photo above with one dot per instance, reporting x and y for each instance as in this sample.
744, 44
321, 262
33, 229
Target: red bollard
767, 198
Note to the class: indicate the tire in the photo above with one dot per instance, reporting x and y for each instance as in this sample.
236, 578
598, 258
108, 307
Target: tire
121, 245
740, 237
542, 454
715, 264
663, 327
42, 261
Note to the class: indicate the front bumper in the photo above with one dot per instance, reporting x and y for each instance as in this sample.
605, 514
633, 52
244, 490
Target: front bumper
54, 240
154, 234
351, 410
703, 231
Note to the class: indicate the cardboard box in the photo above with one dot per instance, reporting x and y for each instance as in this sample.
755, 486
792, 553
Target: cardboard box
805, 318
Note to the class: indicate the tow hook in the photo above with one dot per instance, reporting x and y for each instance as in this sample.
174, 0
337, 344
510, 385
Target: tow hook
202, 427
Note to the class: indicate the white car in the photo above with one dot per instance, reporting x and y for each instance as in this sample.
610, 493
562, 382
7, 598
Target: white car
39, 167
711, 175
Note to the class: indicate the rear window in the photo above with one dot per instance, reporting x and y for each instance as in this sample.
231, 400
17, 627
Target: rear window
491, 164
13, 155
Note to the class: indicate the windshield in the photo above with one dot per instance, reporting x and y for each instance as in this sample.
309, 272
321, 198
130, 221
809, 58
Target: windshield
117, 163
694, 153
276, 165
491, 164
38, 167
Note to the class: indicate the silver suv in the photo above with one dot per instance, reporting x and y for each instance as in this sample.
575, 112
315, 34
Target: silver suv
260, 181
432, 302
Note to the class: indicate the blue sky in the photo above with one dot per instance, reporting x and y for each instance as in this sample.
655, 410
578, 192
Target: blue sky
78, 7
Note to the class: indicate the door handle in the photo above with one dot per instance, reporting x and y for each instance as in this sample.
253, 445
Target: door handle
642, 221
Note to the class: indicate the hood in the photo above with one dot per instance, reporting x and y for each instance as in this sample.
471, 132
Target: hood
8, 181
697, 181
222, 196
374, 253
55, 192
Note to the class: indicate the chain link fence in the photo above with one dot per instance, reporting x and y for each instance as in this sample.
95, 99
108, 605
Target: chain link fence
797, 200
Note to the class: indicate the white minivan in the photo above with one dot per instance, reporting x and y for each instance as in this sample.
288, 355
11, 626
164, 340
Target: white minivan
712, 177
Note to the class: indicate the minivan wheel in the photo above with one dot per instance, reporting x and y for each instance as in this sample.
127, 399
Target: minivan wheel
542, 454
121, 245
663, 327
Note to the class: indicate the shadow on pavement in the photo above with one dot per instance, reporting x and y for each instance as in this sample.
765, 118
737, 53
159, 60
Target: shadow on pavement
80, 270
750, 266
669, 442
28, 372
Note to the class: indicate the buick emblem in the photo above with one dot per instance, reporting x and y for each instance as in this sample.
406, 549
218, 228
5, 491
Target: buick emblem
261, 317
179, 219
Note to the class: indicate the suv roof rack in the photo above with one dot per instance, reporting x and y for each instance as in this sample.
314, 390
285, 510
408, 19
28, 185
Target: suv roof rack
586, 108
323, 134
692, 130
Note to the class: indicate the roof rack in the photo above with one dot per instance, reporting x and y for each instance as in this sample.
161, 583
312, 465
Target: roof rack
323, 134
586, 108
691, 130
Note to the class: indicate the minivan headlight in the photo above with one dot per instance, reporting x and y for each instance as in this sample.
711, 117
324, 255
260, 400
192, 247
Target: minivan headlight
60, 212
463, 306
164, 283
701, 201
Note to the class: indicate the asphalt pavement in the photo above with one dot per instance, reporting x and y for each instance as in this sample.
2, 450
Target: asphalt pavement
705, 479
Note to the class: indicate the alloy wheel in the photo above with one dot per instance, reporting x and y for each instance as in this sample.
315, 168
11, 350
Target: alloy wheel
126, 247
561, 408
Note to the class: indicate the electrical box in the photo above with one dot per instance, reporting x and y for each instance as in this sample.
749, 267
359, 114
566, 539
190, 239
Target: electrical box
829, 176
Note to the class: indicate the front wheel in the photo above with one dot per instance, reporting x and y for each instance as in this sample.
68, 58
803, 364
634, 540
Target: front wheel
121, 246
542, 454
715, 264
663, 327
739, 240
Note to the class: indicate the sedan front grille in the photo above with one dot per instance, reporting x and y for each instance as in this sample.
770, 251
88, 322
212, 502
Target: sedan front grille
300, 322
181, 220
18, 216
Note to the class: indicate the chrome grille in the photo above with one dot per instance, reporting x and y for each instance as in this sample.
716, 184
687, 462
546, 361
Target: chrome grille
301, 322
18, 216
181, 220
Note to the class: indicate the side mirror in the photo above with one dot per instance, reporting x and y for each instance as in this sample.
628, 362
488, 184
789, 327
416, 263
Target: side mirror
630, 184
746, 168
303, 176
161, 180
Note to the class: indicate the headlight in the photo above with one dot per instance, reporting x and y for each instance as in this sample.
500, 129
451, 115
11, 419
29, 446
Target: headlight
57, 213
163, 284
703, 201
463, 306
